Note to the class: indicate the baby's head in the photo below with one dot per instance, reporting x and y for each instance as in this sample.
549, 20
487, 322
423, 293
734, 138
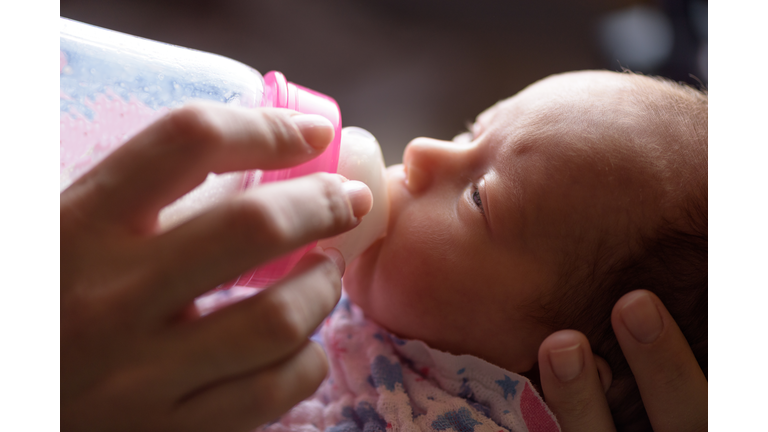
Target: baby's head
559, 200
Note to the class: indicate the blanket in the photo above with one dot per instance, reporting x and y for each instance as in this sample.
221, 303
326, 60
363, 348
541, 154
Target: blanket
380, 383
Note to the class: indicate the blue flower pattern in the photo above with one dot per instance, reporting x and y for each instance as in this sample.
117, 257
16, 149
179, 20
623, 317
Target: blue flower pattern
362, 419
508, 386
386, 373
460, 421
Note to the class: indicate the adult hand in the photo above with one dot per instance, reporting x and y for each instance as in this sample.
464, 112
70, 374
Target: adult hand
671, 383
132, 356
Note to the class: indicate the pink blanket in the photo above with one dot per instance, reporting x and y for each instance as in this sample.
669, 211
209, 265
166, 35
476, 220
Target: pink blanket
379, 383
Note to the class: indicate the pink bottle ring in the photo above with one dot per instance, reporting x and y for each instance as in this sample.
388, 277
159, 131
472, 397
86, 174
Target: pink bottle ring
279, 93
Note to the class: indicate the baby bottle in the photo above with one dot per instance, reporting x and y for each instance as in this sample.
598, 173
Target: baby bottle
112, 85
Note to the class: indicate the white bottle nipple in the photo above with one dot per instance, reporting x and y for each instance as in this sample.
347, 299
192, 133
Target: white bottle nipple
360, 159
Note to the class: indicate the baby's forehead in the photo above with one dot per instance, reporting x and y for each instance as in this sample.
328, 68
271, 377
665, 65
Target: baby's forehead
586, 87
618, 142
630, 129
593, 104
586, 120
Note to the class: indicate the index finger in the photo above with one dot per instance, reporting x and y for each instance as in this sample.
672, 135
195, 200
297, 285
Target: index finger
671, 382
176, 153
259, 225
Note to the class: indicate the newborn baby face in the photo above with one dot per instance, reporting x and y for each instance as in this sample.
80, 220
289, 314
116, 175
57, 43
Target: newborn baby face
481, 226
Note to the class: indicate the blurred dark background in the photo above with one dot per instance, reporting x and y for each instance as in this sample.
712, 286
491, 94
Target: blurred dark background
407, 68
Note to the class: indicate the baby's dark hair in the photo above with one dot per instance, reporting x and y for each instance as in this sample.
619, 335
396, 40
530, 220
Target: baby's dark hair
671, 262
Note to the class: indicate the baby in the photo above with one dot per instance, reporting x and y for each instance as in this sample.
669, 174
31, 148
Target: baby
558, 201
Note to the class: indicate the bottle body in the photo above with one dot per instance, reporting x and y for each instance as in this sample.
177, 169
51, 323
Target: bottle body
112, 85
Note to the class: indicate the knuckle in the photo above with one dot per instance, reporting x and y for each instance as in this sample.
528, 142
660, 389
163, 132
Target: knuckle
576, 404
255, 222
282, 135
578, 407
305, 380
577, 411
337, 210
672, 377
195, 124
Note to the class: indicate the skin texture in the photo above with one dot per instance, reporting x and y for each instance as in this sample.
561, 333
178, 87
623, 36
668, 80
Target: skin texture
556, 175
134, 354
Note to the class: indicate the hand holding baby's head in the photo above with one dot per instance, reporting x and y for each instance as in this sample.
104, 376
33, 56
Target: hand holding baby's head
579, 189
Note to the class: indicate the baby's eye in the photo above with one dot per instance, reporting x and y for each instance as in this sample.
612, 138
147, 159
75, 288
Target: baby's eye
476, 198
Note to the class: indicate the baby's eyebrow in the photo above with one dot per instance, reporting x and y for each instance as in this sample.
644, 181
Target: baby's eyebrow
485, 117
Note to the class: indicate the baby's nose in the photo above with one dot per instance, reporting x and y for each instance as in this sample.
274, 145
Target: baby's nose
425, 158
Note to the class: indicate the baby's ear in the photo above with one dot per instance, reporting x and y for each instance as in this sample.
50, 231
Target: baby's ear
604, 371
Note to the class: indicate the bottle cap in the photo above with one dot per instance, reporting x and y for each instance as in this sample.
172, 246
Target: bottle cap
279, 93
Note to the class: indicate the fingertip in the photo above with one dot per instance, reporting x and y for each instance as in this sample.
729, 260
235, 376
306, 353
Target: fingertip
638, 312
360, 197
571, 383
316, 130
321, 362
337, 258
563, 352
671, 382
330, 253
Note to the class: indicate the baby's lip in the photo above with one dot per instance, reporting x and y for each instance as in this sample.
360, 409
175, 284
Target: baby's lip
397, 169
395, 189
395, 173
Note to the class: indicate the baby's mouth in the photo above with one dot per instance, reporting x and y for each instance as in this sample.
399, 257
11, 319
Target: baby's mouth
364, 266
395, 169
396, 182
396, 177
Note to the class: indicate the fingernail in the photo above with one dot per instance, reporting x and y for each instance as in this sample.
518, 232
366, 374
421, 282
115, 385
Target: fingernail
337, 258
359, 197
316, 129
642, 318
567, 363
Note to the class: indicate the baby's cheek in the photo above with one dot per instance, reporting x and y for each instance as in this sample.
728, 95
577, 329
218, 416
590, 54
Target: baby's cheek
415, 302
406, 290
